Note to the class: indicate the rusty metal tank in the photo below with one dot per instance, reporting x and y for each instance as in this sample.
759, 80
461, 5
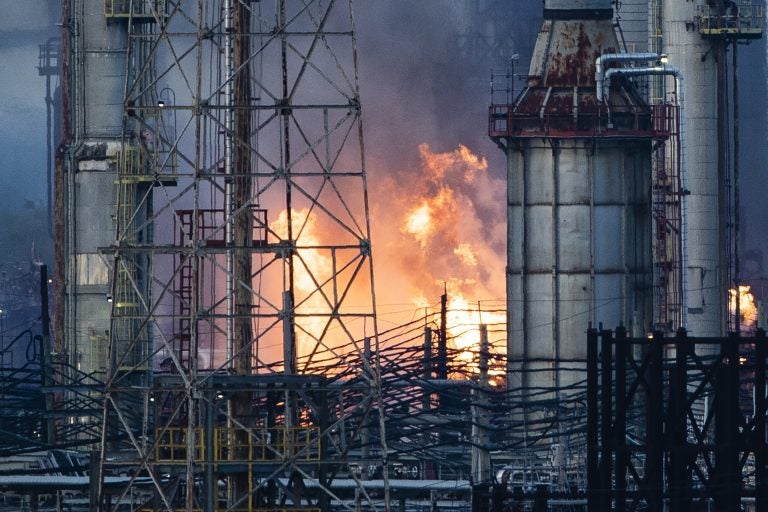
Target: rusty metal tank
579, 220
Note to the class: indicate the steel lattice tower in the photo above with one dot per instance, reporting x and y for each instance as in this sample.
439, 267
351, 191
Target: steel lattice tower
243, 340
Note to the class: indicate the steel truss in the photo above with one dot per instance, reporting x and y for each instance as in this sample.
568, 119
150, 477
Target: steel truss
680, 421
243, 331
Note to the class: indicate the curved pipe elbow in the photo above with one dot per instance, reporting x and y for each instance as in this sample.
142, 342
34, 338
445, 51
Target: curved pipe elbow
605, 58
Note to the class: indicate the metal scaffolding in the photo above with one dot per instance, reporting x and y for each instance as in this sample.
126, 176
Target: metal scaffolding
241, 262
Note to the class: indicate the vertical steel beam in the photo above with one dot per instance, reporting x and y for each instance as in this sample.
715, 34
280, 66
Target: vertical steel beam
620, 425
680, 475
210, 479
442, 341
727, 473
606, 410
654, 462
324, 501
426, 395
761, 457
593, 483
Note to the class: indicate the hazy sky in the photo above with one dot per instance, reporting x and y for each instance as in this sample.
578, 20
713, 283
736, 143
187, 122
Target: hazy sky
421, 83
23, 26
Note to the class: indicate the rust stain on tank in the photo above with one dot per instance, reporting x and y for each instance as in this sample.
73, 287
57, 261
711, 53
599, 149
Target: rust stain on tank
572, 62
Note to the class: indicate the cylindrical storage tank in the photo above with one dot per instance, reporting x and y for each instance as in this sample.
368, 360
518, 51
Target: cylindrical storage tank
704, 279
579, 252
579, 215
103, 49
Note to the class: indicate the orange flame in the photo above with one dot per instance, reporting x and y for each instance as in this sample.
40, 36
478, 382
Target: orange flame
311, 268
419, 223
463, 324
455, 237
747, 307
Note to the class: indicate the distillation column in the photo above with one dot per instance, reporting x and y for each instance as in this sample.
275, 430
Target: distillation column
97, 61
579, 234
704, 280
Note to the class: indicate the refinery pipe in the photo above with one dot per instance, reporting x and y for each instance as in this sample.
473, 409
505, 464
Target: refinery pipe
664, 70
605, 58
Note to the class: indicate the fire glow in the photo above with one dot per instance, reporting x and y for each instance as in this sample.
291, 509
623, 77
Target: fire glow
441, 231
450, 237
747, 308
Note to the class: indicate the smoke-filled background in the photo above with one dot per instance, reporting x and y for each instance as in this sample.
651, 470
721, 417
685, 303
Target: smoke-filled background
436, 182
24, 26
25, 233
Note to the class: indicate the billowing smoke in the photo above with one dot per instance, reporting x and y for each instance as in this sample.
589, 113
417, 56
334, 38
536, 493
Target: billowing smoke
438, 185
28, 16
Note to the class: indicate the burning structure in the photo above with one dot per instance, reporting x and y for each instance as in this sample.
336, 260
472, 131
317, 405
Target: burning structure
217, 320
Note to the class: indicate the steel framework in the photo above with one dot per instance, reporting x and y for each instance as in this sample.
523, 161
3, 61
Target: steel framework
243, 304
649, 441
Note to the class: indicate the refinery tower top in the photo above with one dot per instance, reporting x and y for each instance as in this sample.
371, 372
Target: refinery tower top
578, 9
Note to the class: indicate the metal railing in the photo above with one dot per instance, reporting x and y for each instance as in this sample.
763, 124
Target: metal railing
264, 444
240, 445
134, 8
657, 122
745, 20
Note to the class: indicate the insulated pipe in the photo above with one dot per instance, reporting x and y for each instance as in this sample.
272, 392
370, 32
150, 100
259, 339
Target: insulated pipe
665, 70
229, 127
617, 57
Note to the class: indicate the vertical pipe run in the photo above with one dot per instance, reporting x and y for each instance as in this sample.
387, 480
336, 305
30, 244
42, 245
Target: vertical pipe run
228, 182
736, 194
723, 133
668, 70
228, 211
555, 350
289, 329
46, 355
